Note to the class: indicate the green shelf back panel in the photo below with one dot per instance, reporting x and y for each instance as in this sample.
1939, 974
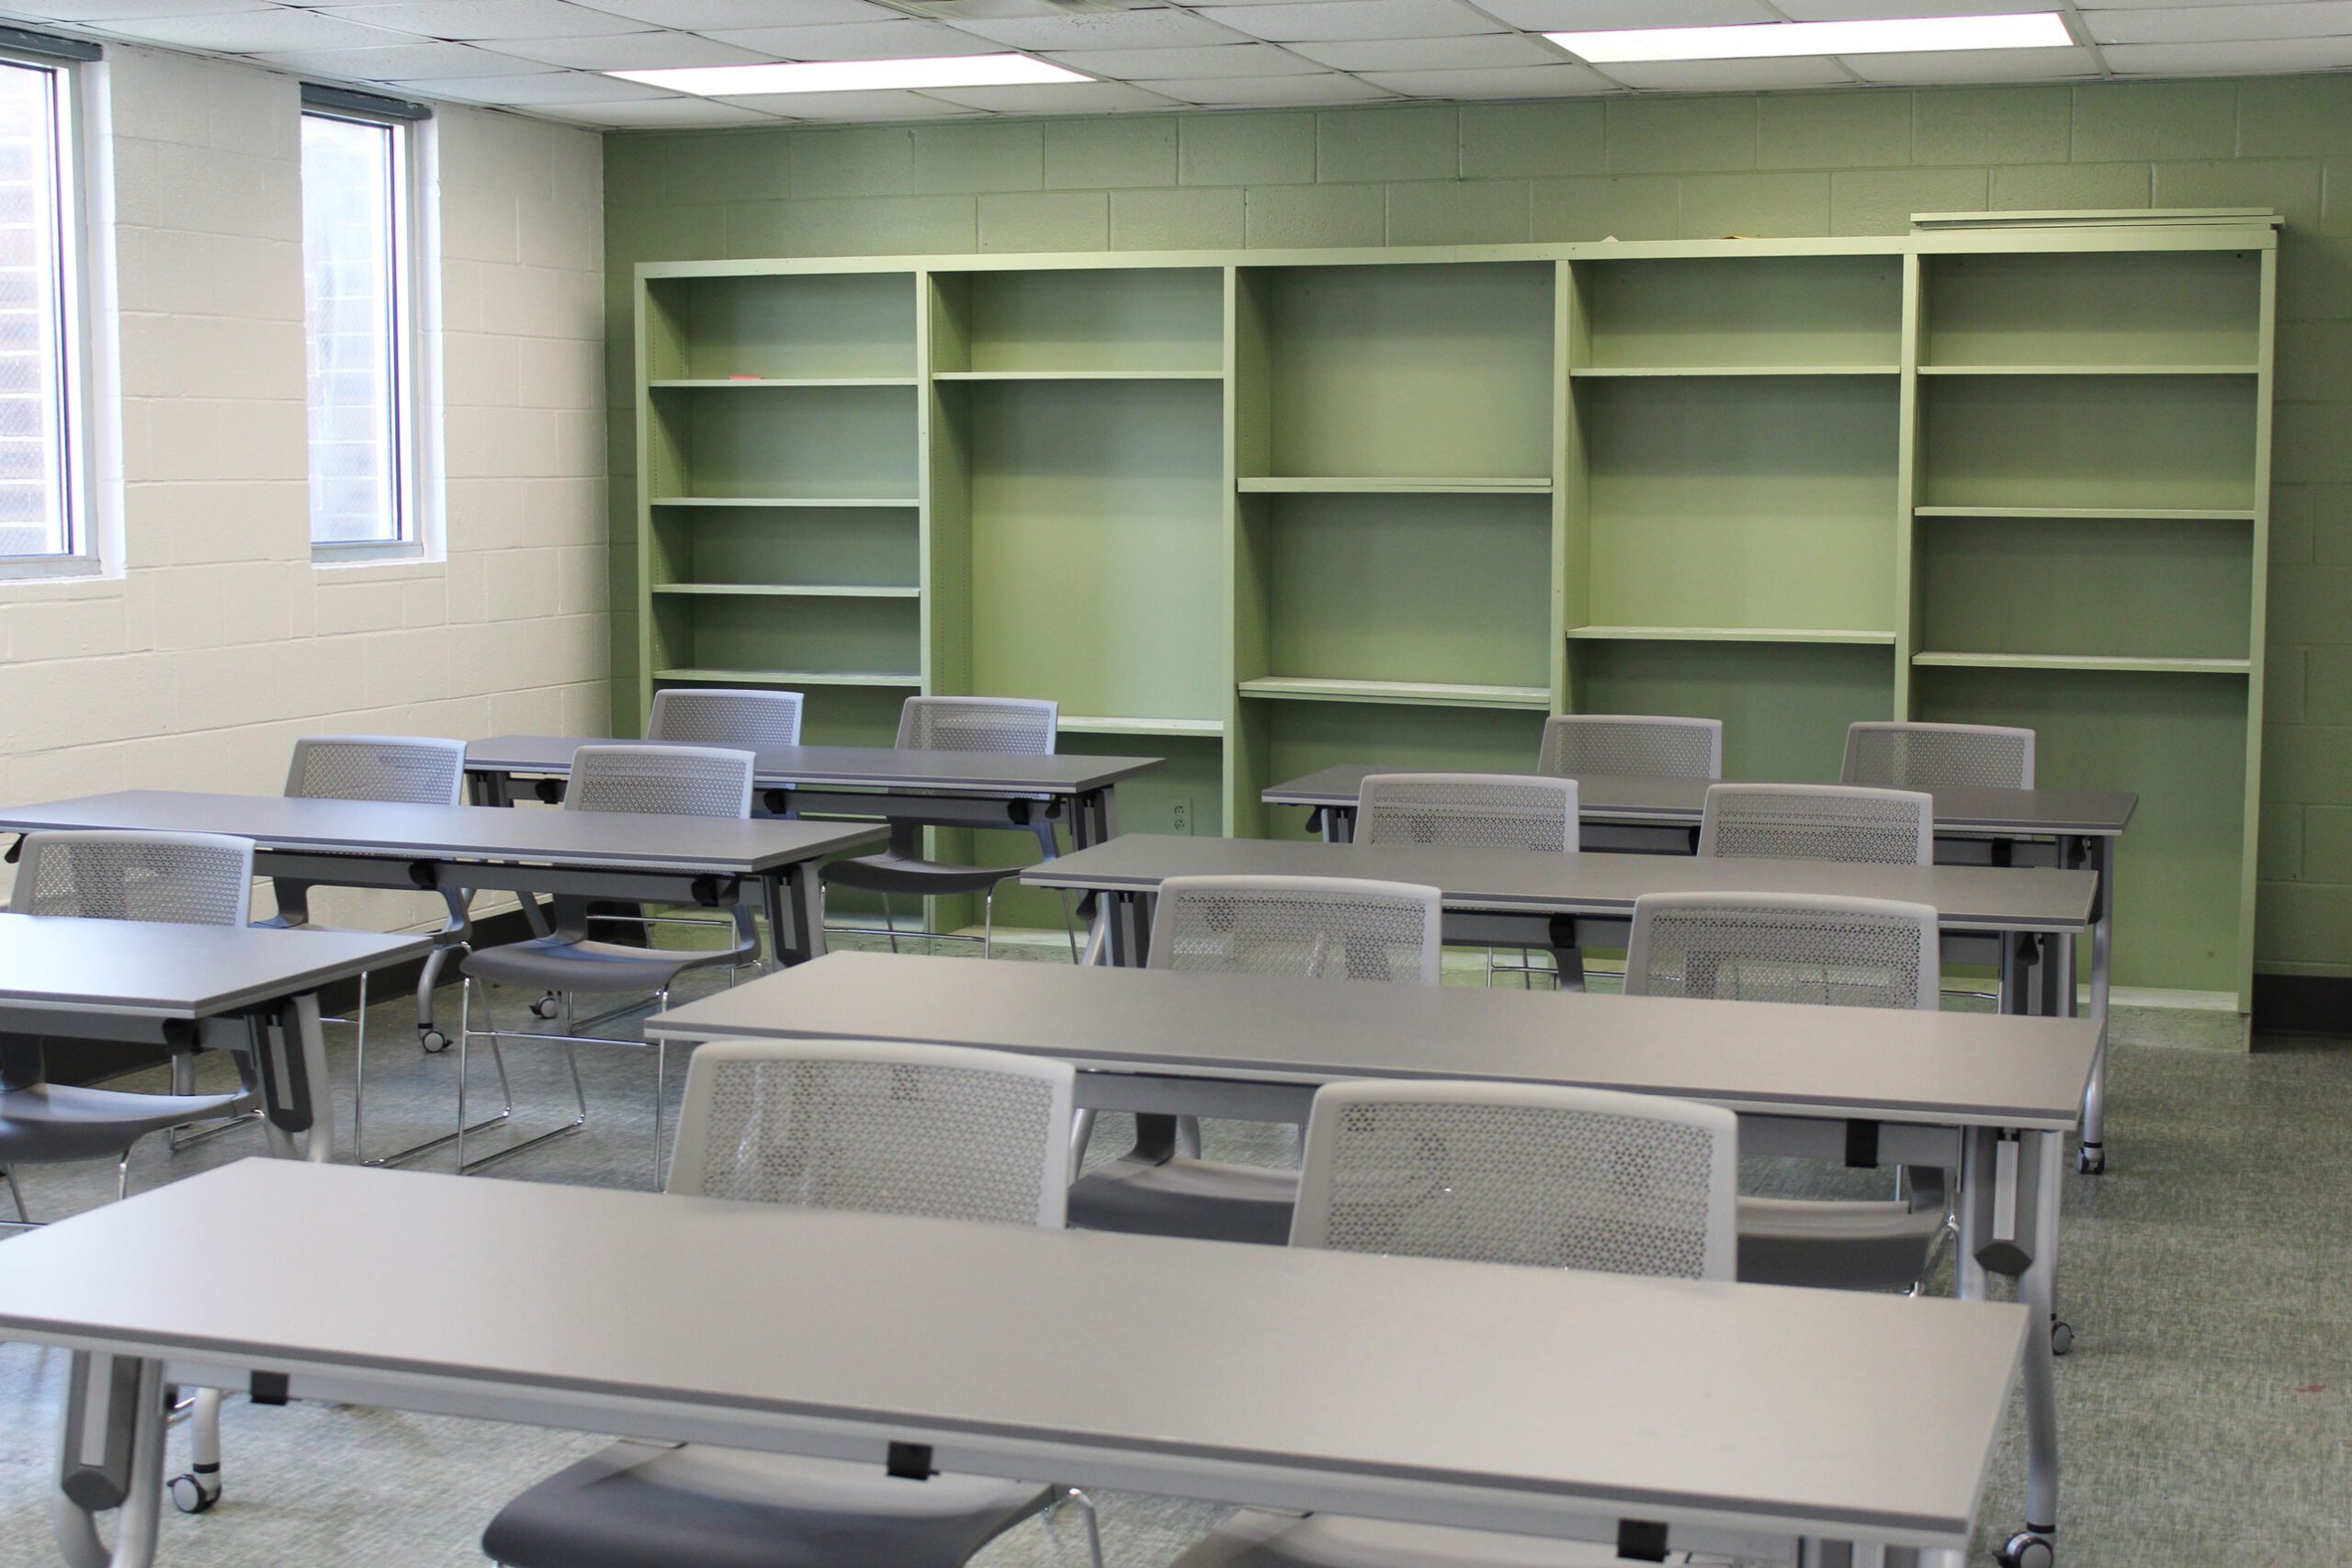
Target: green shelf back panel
860, 547
1097, 531
1303, 737
1086, 319
2177, 741
1740, 311
2064, 585
796, 324
1785, 705
1440, 588
1418, 371
2155, 441
1741, 503
828, 442
2098, 308
838, 636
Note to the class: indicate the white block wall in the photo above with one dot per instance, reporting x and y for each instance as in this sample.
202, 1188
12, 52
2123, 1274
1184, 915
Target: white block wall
221, 643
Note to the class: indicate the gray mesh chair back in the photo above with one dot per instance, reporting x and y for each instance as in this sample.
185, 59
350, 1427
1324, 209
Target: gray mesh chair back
1486, 811
193, 879
1519, 1173
1309, 928
1936, 756
722, 715
1835, 822
675, 781
1632, 743
408, 769
1758, 947
1018, 725
935, 1130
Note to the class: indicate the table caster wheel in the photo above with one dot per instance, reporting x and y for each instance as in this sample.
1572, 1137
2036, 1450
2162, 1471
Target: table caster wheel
2026, 1549
546, 1006
433, 1041
191, 1494
2091, 1160
2061, 1336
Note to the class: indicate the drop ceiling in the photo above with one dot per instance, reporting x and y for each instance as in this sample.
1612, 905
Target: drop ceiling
546, 56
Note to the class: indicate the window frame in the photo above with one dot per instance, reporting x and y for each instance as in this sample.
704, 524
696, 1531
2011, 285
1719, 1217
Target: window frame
407, 341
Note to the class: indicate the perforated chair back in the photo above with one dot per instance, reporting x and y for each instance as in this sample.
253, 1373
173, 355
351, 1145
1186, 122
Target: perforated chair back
1024, 726
676, 781
1309, 928
1754, 947
190, 879
721, 715
1632, 743
1936, 756
1836, 822
408, 769
1486, 811
885, 1129
1533, 1174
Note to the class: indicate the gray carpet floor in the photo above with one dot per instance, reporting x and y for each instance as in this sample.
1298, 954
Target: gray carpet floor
2206, 1410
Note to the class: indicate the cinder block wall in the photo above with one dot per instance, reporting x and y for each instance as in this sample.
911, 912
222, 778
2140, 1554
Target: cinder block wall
1795, 163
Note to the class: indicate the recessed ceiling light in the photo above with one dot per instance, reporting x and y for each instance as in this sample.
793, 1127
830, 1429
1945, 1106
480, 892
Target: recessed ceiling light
856, 75
2036, 29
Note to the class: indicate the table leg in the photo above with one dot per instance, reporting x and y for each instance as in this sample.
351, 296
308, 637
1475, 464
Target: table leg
111, 1457
1098, 932
2101, 856
318, 1092
491, 789
795, 917
1977, 1168
2036, 1291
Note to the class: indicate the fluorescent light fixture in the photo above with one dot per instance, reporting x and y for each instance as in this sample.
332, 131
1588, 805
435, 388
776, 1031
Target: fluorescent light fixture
856, 75
1763, 40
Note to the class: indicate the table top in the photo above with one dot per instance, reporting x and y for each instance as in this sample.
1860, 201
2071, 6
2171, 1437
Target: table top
379, 828
56, 962
1967, 898
1353, 1377
1628, 797
1941, 1068
860, 767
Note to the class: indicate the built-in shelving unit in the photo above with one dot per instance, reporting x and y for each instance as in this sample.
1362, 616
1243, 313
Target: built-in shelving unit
1261, 512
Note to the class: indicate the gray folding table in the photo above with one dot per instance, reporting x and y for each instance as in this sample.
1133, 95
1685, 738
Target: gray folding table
1991, 1098
2066, 828
1658, 1414
176, 985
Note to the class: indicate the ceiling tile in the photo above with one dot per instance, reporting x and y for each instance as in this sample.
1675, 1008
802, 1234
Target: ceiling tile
706, 16
1051, 97
257, 32
134, 10
1600, 15
1483, 53
488, 19
1161, 28
396, 61
2222, 59
1974, 65
835, 107
1228, 61
1730, 75
1334, 19
542, 88
1878, 10
903, 39
2205, 24
1514, 82
629, 51
654, 113
1275, 92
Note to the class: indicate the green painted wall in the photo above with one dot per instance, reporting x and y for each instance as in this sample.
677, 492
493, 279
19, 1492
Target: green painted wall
1846, 162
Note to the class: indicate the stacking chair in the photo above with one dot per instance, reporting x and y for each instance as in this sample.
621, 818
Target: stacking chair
684, 780
1303, 928
1625, 743
1829, 951
1002, 725
1927, 756
1538, 1175
1486, 811
1831, 822
723, 715
937, 1131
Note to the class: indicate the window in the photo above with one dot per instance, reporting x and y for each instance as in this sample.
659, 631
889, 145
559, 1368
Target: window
41, 528
356, 316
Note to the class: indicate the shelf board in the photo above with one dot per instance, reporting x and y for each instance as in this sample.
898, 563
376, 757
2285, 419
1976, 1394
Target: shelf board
1421, 692
2090, 371
1726, 633
1582, 372
2085, 661
2121, 513
713, 383
1090, 724
1268, 485
788, 591
1077, 375
906, 502
784, 678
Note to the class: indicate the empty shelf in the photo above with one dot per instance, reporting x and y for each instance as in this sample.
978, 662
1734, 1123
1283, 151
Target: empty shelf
1078, 376
1290, 486
783, 591
2122, 662
2125, 513
1724, 634
705, 383
1429, 693
1090, 724
2089, 370
784, 500
784, 678
1617, 370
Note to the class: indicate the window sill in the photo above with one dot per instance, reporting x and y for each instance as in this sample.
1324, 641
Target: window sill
388, 557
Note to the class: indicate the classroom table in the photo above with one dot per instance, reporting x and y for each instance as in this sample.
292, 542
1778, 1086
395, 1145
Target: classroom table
1645, 814
1991, 1098
1657, 1414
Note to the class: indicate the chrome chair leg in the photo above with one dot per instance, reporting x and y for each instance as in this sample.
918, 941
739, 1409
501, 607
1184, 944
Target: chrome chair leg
988, 924
122, 1177
506, 1094
890, 922
1069, 928
660, 1087
1076, 1497
15, 1195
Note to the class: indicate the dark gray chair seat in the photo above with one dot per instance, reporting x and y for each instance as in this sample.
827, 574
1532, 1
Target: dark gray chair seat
561, 964
911, 873
45, 1122
1180, 1197
640, 1505
1847, 1246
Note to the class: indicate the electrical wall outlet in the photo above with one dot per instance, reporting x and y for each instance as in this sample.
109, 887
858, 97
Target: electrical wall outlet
1179, 819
